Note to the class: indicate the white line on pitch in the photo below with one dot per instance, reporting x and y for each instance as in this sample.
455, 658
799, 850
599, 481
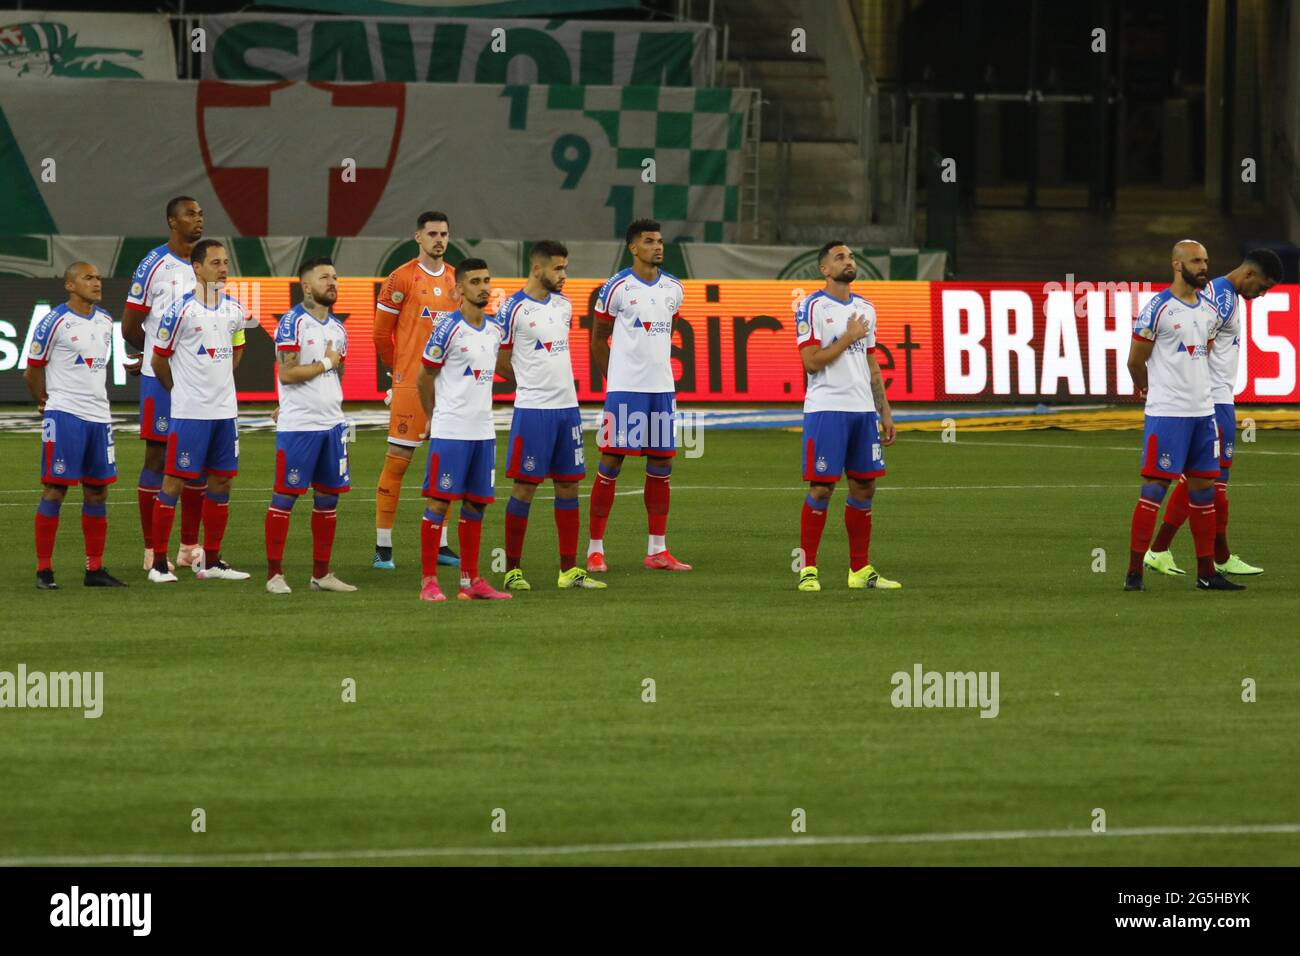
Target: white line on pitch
1135, 448
303, 856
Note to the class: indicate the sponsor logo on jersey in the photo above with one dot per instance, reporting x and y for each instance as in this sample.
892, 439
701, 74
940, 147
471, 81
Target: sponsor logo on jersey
803, 327
164, 335
137, 289
398, 296
435, 353
37, 348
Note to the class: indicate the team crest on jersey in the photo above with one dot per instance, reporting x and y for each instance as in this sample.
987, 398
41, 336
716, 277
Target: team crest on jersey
1227, 450
445, 481
137, 289
60, 466
530, 463
821, 463
37, 348
183, 459
294, 476
164, 335
160, 424
435, 353
398, 296
1166, 462
803, 327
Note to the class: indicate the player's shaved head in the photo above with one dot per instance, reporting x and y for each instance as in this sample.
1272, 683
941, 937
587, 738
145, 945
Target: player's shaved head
84, 284
1192, 263
77, 268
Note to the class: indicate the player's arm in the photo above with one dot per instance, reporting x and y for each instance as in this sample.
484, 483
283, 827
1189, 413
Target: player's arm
505, 366
386, 313
292, 372
887, 430
600, 334
133, 317
424, 384
816, 357
1139, 351
34, 377
162, 368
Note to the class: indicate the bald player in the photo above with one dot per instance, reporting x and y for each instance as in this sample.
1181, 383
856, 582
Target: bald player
1257, 273
1169, 363
67, 367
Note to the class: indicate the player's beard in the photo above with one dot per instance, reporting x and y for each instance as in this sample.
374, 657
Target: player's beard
848, 275
328, 297
551, 285
1194, 280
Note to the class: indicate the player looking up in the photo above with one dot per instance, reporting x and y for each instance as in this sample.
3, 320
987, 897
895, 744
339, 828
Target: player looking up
846, 417
310, 432
546, 430
161, 279
631, 346
1167, 360
67, 375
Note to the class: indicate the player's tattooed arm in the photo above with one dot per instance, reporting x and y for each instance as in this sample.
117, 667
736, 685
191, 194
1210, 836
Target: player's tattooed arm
293, 372
505, 367
887, 430
424, 385
1139, 351
162, 370
601, 332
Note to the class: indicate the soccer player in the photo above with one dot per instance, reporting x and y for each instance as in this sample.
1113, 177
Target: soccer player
1168, 361
632, 347
67, 375
310, 433
546, 431
455, 385
199, 342
161, 279
846, 417
1258, 272
412, 295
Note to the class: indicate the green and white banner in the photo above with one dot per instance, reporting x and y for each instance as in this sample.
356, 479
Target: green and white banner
48, 256
442, 50
365, 159
453, 8
35, 44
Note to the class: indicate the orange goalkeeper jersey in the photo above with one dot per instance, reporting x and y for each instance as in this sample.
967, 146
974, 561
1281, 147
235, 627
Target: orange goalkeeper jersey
411, 297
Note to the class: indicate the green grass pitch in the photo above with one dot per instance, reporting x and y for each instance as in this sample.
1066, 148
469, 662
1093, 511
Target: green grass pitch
222, 697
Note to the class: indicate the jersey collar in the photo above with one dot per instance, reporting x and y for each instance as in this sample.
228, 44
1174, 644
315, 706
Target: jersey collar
425, 269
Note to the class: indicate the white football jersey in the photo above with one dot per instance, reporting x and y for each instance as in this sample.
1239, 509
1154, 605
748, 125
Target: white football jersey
1178, 372
161, 279
537, 333
1227, 343
316, 404
466, 358
845, 384
74, 349
640, 348
201, 342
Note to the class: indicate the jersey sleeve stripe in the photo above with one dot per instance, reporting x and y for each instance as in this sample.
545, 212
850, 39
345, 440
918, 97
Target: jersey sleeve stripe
384, 308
